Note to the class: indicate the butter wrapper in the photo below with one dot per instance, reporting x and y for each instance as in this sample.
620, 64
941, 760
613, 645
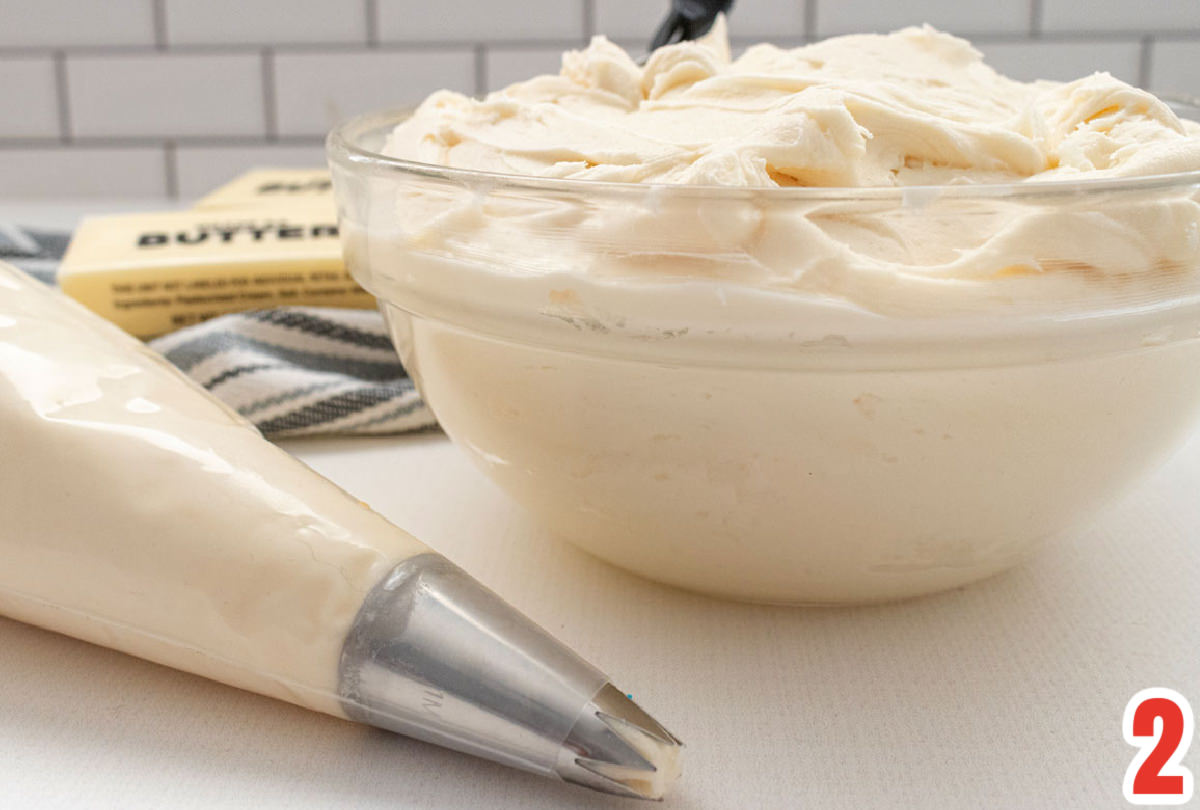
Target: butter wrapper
272, 187
154, 273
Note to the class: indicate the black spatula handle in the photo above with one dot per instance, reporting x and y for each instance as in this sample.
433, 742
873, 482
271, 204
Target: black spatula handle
689, 19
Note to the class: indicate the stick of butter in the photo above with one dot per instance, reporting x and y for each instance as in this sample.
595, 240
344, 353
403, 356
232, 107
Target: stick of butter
153, 273
271, 186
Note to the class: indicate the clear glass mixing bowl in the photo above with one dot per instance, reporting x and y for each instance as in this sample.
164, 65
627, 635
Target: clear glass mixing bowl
801, 395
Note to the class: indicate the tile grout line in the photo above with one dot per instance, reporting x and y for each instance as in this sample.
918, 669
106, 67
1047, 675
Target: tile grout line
371, 9
1145, 63
416, 46
270, 111
396, 46
171, 166
150, 141
159, 10
60, 89
810, 20
481, 71
1024, 39
1035, 19
589, 20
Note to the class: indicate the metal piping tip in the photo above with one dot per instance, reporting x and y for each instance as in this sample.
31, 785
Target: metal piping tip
615, 747
436, 656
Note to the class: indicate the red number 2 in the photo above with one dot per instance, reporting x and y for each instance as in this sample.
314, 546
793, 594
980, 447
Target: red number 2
1159, 722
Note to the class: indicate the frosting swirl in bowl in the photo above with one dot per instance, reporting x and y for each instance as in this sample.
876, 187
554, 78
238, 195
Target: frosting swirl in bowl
848, 322
914, 115
915, 107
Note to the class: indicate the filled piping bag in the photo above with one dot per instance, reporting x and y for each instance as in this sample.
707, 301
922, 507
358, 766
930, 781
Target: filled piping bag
139, 513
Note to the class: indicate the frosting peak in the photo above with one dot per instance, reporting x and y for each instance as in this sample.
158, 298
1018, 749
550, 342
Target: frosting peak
916, 106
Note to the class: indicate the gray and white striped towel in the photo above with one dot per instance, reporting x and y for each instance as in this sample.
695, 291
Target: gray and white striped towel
295, 371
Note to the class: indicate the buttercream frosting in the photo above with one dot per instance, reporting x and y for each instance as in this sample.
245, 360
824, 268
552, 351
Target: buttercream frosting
917, 106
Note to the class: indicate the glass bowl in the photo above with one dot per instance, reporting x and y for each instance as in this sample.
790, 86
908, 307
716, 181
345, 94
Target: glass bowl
791, 395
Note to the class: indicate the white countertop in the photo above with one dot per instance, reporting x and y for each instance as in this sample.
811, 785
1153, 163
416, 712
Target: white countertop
1008, 693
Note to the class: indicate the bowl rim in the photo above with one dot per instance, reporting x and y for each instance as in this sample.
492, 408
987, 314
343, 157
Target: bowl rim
343, 147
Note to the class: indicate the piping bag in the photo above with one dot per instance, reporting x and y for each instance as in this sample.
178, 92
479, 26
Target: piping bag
140, 513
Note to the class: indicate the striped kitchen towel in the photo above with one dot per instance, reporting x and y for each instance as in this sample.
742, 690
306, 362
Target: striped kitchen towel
35, 252
295, 371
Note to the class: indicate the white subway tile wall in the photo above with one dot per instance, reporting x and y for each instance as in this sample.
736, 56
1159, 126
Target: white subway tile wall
507, 65
479, 20
200, 169
1120, 15
314, 91
76, 23
1065, 60
1175, 67
263, 22
166, 95
957, 16
167, 98
635, 20
28, 98
59, 172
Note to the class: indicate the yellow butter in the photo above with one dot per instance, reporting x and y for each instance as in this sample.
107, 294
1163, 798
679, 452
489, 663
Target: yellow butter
271, 186
153, 273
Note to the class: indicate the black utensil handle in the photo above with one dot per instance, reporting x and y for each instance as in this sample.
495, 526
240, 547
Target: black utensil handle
688, 19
